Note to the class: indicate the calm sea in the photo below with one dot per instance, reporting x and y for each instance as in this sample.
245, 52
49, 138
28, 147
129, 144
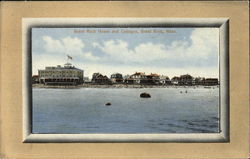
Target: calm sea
83, 110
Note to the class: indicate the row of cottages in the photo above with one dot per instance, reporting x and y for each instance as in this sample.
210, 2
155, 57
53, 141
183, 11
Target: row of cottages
152, 79
189, 80
136, 78
142, 78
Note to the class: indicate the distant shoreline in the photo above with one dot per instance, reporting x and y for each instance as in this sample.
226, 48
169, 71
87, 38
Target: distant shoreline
119, 86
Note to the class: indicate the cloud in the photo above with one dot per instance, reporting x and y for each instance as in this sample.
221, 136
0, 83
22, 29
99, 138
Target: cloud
144, 52
52, 45
205, 42
203, 45
72, 46
90, 56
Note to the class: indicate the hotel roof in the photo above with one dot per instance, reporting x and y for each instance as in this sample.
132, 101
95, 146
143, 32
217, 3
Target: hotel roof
67, 66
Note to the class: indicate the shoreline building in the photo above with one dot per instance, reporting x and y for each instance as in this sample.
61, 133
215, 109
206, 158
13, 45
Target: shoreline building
199, 81
164, 80
35, 79
67, 75
138, 78
211, 81
128, 80
98, 78
175, 80
185, 80
153, 78
116, 78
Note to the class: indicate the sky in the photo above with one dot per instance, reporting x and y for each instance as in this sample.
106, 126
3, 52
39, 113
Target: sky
165, 51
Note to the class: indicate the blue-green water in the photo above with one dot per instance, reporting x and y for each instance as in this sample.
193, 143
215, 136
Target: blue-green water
83, 110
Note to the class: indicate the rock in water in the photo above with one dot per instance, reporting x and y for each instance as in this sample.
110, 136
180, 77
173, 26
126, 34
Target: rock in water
108, 104
145, 95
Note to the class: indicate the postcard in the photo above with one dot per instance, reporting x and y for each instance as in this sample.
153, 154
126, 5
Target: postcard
123, 79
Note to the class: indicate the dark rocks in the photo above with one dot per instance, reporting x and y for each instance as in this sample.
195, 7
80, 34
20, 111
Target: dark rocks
145, 95
108, 104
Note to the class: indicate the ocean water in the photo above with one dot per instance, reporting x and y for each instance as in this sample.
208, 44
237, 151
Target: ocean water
83, 110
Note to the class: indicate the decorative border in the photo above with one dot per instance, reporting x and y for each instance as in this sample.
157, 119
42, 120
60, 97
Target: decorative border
221, 23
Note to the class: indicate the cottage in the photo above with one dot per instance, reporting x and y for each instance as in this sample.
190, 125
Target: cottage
186, 80
35, 79
116, 78
211, 81
164, 80
175, 80
153, 78
98, 78
139, 78
128, 80
199, 81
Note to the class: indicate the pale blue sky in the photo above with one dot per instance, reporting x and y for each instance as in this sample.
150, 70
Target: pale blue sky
174, 51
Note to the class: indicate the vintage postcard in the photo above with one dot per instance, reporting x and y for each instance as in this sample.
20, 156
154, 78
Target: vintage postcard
125, 80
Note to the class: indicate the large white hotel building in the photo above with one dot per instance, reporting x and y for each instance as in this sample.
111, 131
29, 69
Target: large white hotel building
67, 75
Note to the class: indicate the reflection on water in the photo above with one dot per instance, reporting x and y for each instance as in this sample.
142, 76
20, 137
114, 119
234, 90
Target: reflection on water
84, 111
